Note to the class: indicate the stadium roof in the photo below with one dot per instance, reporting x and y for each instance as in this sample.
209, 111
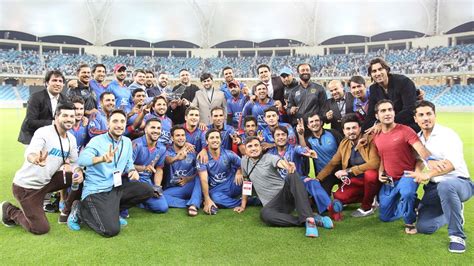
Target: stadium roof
208, 23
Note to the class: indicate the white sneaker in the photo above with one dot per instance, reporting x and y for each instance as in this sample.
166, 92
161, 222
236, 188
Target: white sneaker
361, 213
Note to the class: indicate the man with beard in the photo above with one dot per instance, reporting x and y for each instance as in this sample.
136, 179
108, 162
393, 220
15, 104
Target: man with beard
250, 130
256, 108
295, 154
83, 90
290, 84
49, 166
228, 74
324, 142
158, 109
446, 188
182, 96
118, 88
149, 160
361, 97
236, 103
398, 88
97, 82
150, 86
183, 187
41, 106
208, 98
221, 177
218, 122
106, 158
279, 196
307, 98
337, 106
395, 144
360, 164
98, 121
139, 77
136, 113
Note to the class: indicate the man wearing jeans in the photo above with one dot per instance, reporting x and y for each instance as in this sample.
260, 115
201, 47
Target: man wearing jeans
107, 157
448, 186
50, 162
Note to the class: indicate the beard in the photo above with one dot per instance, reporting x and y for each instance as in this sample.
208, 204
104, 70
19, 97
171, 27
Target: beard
305, 77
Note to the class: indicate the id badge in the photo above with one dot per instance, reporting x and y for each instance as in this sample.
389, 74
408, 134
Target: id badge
117, 178
247, 188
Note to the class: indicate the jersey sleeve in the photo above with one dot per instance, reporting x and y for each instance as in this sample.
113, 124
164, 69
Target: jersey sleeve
161, 158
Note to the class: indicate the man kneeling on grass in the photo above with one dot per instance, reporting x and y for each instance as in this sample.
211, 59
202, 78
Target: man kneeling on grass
106, 157
49, 166
446, 187
279, 196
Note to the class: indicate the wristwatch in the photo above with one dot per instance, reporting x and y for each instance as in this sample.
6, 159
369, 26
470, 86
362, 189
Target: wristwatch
349, 172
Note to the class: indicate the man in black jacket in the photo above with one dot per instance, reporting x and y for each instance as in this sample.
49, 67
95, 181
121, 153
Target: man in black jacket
181, 96
340, 104
398, 88
41, 104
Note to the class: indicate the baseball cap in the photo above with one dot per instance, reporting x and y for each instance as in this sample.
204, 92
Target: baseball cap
118, 67
286, 71
234, 83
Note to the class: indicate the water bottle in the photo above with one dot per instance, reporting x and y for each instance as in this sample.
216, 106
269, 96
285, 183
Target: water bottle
75, 185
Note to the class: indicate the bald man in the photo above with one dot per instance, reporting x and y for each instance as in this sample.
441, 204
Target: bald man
337, 106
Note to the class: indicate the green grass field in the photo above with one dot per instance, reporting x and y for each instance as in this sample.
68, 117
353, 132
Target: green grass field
227, 238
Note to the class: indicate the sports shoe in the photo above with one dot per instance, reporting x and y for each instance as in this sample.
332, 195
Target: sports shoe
311, 229
456, 244
124, 214
213, 210
123, 222
361, 213
335, 210
62, 205
62, 219
3, 214
73, 221
323, 221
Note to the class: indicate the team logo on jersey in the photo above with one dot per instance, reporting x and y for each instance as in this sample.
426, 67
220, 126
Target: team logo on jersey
313, 90
180, 173
188, 159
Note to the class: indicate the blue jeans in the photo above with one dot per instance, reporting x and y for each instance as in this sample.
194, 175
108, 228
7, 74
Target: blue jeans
441, 204
398, 201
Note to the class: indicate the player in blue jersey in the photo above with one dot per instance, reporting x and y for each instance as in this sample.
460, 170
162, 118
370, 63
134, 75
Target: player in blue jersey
221, 177
135, 113
97, 82
122, 94
193, 133
325, 142
226, 87
256, 108
218, 122
295, 153
235, 103
158, 110
250, 130
183, 186
98, 121
79, 130
149, 160
271, 118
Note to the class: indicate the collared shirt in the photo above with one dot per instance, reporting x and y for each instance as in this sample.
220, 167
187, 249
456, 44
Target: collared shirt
445, 144
341, 105
54, 101
269, 87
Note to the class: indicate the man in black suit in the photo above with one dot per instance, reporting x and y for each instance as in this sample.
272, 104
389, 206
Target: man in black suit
41, 104
275, 85
340, 104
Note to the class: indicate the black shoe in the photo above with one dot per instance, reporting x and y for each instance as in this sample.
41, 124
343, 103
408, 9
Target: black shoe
62, 219
3, 215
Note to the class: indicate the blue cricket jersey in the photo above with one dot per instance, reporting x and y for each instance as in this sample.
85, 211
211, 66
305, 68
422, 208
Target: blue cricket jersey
97, 124
166, 125
256, 109
235, 106
143, 155
81, 134
195, 137
225, 136
123, 96
268, 135
325, 147
293, 153
220, 169
178, 169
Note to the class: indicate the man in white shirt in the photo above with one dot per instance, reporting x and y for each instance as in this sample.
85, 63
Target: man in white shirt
50, 163
448, 185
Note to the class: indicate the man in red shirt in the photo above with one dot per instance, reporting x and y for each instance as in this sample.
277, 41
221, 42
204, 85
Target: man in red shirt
395, 144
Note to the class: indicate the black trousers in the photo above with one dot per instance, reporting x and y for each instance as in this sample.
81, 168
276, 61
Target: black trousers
293, 195
329, 182
100, 211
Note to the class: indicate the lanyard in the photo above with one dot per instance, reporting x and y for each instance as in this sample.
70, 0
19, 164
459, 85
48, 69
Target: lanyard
116, 160
251, 170
341, 107
61, 144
